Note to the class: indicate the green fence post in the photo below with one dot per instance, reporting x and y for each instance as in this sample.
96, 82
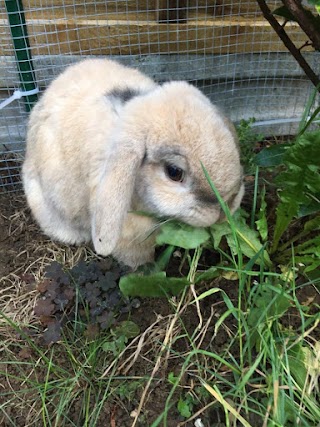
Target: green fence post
22, 50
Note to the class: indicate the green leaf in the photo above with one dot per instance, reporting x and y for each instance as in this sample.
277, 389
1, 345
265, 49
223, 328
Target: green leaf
262, 223
311, 264
249, 243
116, 346
218, 231
308, 254
182, 235
248, 138
154, 285
296, 360
304, 125
126, 328
306, 120
248, 239
183, 408
164, 258
312, 224
209, 274
173, 379
285, 214
314, 2
271, 156
157, 266
284, 12
110, 347
311, 246
269, 304
310, 208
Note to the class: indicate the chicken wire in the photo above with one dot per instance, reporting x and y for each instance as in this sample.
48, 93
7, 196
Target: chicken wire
226, 49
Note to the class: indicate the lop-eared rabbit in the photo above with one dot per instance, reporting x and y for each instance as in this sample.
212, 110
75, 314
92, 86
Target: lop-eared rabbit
105, 143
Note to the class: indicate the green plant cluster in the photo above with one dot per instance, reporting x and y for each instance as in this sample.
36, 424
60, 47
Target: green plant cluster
273, 253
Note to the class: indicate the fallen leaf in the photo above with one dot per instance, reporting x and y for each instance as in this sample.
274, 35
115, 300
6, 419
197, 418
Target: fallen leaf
43, 286
44, 307
25, 353
53, 333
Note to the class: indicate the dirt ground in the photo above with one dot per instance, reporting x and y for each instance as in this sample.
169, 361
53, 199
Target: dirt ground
24, 253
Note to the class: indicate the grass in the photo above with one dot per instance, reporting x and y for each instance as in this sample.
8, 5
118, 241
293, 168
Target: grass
266, 374
271, 361
239, 345
53, 390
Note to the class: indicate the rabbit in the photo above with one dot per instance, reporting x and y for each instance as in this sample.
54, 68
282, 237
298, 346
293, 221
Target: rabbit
109, 152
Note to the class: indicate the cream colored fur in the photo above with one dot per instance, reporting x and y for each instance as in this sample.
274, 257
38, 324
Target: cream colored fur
92, 159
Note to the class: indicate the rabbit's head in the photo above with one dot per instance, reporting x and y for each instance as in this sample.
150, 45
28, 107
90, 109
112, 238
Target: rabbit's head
163, 141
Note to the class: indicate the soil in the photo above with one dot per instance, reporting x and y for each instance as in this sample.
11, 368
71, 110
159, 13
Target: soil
24, 253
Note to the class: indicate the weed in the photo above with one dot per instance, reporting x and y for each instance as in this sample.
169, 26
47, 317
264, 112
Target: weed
298, 185
120, 336
185, 405
248, 140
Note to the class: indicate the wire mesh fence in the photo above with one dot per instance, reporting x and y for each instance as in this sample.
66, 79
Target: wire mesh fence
226, 48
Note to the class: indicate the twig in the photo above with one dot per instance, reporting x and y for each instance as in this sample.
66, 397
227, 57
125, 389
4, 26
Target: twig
306, 24
307, 43
295, 52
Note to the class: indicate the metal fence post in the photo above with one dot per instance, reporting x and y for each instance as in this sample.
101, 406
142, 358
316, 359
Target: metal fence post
22, 50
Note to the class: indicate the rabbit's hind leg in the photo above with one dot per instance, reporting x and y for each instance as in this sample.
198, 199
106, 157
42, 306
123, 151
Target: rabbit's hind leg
51, 220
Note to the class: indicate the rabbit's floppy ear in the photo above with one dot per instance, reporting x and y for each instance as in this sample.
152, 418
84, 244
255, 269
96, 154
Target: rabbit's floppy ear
114, 193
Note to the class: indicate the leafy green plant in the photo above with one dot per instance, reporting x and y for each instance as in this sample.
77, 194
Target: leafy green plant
127, 389
241, 239
151, 280
299, 183
269, 304
89, 288
298, 191
262, 221
172, 378
248, 139
185, 405
182, 235
299, 197
248, 238
152, 285
120, 337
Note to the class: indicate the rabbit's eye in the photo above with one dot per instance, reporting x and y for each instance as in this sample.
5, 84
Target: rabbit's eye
174, 173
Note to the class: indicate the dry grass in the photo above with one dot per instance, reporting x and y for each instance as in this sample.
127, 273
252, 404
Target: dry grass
32, 253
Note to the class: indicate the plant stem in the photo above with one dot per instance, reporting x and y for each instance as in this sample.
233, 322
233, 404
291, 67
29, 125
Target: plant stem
255, 197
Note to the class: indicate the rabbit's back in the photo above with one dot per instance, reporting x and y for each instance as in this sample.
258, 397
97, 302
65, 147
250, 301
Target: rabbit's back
68, 134
92, 77
71, 124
